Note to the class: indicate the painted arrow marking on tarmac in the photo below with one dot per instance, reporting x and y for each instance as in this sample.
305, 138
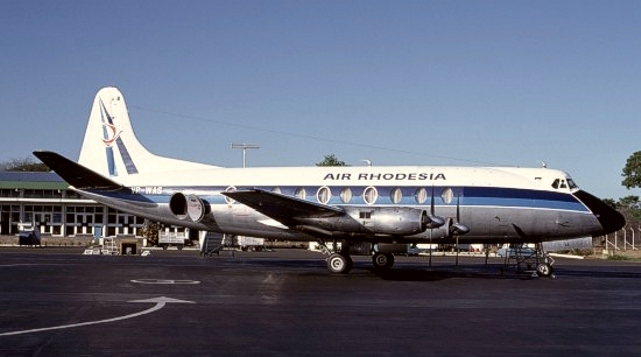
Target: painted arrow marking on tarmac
159, 301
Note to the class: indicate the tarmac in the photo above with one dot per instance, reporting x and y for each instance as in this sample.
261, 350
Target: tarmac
58, 302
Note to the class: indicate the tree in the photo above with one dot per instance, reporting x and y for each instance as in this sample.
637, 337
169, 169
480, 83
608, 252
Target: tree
150, 230
632, 171
331, 160
26, 164
630, 208
611, 202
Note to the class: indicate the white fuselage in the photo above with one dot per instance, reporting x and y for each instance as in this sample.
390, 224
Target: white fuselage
498, 204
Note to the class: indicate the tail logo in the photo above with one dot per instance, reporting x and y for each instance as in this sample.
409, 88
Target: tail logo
110, 135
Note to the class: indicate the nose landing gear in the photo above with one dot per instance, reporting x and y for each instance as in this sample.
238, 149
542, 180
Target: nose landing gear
526, 256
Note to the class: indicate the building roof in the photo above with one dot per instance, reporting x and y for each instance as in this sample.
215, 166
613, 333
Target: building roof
32, 180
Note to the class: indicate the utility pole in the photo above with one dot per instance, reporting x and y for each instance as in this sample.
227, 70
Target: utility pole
244, 147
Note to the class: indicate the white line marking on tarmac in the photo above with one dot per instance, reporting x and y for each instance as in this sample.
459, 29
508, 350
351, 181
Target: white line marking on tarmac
160, 303
165, 282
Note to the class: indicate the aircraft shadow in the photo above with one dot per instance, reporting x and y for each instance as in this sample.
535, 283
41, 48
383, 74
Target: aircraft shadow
449, 272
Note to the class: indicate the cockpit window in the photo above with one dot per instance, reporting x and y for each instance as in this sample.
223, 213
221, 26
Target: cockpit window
564, 183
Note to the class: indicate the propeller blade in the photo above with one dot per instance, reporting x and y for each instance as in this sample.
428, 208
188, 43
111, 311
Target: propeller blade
435, 221
459, 228
432, 203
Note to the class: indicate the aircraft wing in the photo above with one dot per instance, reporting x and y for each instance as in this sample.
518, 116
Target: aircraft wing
285, 209
75, 174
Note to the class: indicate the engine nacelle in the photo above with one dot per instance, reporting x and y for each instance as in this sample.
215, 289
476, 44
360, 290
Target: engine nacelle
189, 207
400, 221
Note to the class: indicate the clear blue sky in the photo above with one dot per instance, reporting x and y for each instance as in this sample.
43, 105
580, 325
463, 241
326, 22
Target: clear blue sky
396, 82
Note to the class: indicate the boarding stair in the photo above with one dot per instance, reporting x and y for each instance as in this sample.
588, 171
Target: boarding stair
212, 244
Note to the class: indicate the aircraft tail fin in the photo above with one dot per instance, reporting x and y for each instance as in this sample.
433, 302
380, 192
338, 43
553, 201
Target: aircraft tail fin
110, 146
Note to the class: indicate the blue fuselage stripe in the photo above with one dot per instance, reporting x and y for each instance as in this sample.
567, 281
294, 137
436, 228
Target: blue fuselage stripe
465, 196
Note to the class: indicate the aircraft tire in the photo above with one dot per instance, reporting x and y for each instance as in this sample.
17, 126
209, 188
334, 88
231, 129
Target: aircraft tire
339, 264
544, 270
383, 260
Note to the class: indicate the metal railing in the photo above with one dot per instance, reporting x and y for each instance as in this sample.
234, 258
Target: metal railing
624, 239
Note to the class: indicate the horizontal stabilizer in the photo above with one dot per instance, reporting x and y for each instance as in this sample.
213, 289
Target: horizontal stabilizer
284, 209
75, 174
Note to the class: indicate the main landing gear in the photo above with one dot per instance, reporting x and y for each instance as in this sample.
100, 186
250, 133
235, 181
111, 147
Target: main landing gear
339, 263
342, 262
383, 261
339, 260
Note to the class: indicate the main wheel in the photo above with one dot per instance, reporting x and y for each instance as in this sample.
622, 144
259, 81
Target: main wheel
544, 269
383, 260
338, 263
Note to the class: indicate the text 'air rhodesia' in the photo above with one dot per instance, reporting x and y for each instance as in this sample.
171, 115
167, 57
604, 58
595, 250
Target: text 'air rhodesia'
423, 176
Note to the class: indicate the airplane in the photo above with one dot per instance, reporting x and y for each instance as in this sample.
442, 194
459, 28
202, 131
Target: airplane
348, 205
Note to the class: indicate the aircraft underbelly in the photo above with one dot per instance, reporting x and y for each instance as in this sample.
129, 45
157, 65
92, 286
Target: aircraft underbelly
528, 224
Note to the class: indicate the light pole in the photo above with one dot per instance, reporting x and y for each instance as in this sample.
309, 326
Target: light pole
244, 147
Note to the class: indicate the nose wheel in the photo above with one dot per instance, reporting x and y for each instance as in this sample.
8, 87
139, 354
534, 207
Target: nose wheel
544, 270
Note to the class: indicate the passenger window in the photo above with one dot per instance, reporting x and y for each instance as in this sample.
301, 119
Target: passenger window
323, 195
421, 195
346, 195
370, 195
300, 193
396, 195
447, 195
230, 200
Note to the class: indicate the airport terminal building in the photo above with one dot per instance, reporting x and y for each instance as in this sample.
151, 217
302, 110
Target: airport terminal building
41, 199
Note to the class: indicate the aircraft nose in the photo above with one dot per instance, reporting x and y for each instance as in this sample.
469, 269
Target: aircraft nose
611, 220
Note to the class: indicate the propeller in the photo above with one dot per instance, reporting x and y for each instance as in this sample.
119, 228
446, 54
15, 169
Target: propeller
434, 220
457, 228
